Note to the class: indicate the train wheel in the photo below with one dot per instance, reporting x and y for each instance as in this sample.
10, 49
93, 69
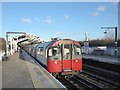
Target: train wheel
55, 75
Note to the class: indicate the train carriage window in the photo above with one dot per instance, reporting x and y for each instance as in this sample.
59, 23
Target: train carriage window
40, 51
33, 50
66, 51
76, 50
29, 49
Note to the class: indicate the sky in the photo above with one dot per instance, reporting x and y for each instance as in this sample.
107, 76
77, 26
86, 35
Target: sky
119, 21
59, 19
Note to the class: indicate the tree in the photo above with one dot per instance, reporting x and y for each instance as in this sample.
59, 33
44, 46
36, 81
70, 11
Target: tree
99, 42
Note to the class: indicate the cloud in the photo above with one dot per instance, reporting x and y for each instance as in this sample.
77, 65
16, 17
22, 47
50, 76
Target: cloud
96, 14
101, 8
26, 20
48, 20
66, 17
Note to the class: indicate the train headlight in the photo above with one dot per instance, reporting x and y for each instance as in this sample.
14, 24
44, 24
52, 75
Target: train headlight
55, 62
76, 60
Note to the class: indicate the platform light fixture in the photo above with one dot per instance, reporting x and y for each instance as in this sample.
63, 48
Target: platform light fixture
114, 28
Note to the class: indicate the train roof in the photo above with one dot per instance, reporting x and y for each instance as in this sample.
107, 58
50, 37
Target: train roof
45, 44
66, 41
54, 43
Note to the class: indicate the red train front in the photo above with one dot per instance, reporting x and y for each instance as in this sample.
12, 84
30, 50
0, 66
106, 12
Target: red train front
64, 57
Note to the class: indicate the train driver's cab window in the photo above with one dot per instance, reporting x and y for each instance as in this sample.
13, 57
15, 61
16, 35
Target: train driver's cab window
76, 50
53, 52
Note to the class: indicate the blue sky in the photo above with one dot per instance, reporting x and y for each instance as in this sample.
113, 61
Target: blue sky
61, 19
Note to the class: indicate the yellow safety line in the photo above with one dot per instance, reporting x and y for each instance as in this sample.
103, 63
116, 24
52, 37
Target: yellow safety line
50, 81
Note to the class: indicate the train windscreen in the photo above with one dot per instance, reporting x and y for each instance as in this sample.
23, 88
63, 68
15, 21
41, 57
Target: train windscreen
54, 53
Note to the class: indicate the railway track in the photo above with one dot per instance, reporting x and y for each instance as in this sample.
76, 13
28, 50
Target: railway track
67, 83
103, 65
87, 80
107, 75
110, 82
98, 81
93, 78
76, 83
80, 82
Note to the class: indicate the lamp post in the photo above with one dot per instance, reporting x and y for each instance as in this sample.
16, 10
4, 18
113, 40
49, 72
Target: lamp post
115, 28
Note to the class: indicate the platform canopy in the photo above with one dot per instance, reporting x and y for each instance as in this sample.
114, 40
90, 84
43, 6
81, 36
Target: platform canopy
23, 38
28, 39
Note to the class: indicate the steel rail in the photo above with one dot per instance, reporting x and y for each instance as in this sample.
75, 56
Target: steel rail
113, 84
113, 76
87, 83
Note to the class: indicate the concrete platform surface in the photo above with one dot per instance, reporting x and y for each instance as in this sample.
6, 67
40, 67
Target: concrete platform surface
15, 73
102, 58
22, 72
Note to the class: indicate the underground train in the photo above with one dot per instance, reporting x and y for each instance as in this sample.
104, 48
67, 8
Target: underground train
60, 57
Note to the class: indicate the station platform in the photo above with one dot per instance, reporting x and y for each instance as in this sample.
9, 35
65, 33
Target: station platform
22, 72
102, 58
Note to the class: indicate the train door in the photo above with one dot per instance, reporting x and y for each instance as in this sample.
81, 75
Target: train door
76, 58
66, 57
